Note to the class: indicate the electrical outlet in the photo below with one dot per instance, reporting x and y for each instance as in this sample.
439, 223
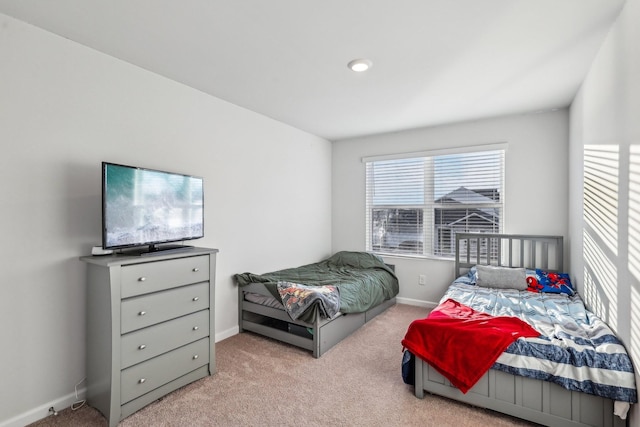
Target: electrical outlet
422, 279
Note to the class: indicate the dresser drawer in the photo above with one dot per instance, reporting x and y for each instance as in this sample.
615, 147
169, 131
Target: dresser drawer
144, 377
146, 343
147, 310
155, 276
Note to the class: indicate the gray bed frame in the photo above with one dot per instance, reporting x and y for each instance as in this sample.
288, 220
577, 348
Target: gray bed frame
529, 399
277, 324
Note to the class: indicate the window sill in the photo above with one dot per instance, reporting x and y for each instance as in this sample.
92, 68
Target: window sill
414, 257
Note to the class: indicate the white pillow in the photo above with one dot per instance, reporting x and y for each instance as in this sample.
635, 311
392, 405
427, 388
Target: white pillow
490, 276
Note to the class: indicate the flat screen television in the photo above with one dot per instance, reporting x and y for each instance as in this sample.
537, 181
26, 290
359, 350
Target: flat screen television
146, 208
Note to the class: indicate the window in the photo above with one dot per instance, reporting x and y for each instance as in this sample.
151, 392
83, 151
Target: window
416, 203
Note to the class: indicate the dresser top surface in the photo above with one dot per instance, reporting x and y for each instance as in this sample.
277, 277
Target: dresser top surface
125, 258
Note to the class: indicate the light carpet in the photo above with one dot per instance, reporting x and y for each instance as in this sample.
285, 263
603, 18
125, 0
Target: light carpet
261, 382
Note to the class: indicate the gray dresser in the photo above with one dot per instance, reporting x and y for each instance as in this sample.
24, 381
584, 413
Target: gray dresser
150, 327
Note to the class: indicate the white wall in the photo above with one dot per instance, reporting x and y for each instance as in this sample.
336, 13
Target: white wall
605, 153
65, 108
536, 185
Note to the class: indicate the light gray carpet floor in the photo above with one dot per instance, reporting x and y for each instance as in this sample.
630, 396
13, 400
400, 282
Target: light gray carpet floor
261, 382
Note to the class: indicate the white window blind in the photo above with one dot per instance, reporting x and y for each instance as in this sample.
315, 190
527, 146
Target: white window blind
416, 204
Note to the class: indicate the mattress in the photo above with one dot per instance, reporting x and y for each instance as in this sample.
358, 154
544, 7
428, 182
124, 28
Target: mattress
266, 300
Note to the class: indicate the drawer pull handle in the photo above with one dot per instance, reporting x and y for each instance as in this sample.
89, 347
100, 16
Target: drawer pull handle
195, 269
196, 298
195, 328
141, 380
142, 279
142, 347
195, 356
142, 313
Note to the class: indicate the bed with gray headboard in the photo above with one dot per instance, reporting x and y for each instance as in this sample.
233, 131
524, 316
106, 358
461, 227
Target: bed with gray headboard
519, 383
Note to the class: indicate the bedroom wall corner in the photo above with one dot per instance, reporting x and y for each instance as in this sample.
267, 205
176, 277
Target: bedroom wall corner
536, 184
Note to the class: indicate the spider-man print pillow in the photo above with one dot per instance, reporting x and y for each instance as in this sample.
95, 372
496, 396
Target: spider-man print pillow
546, 281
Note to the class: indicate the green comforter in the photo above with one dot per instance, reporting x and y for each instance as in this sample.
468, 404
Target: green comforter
363, 279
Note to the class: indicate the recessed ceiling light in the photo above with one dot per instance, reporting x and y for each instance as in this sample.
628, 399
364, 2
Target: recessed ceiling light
360, 65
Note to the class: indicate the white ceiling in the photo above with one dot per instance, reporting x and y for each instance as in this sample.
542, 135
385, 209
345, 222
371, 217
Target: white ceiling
434, 61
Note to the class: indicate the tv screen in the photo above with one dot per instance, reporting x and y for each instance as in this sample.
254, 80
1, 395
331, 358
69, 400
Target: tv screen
146, 207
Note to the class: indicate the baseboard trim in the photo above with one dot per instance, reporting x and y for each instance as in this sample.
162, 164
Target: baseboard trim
419, 303
42, 411
228, 333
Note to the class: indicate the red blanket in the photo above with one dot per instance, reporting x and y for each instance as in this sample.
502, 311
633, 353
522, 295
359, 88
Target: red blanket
462, 343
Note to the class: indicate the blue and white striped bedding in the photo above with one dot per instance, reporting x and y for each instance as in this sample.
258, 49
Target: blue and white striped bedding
576, 349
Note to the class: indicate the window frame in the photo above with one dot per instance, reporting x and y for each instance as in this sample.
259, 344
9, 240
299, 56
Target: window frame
429, 206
